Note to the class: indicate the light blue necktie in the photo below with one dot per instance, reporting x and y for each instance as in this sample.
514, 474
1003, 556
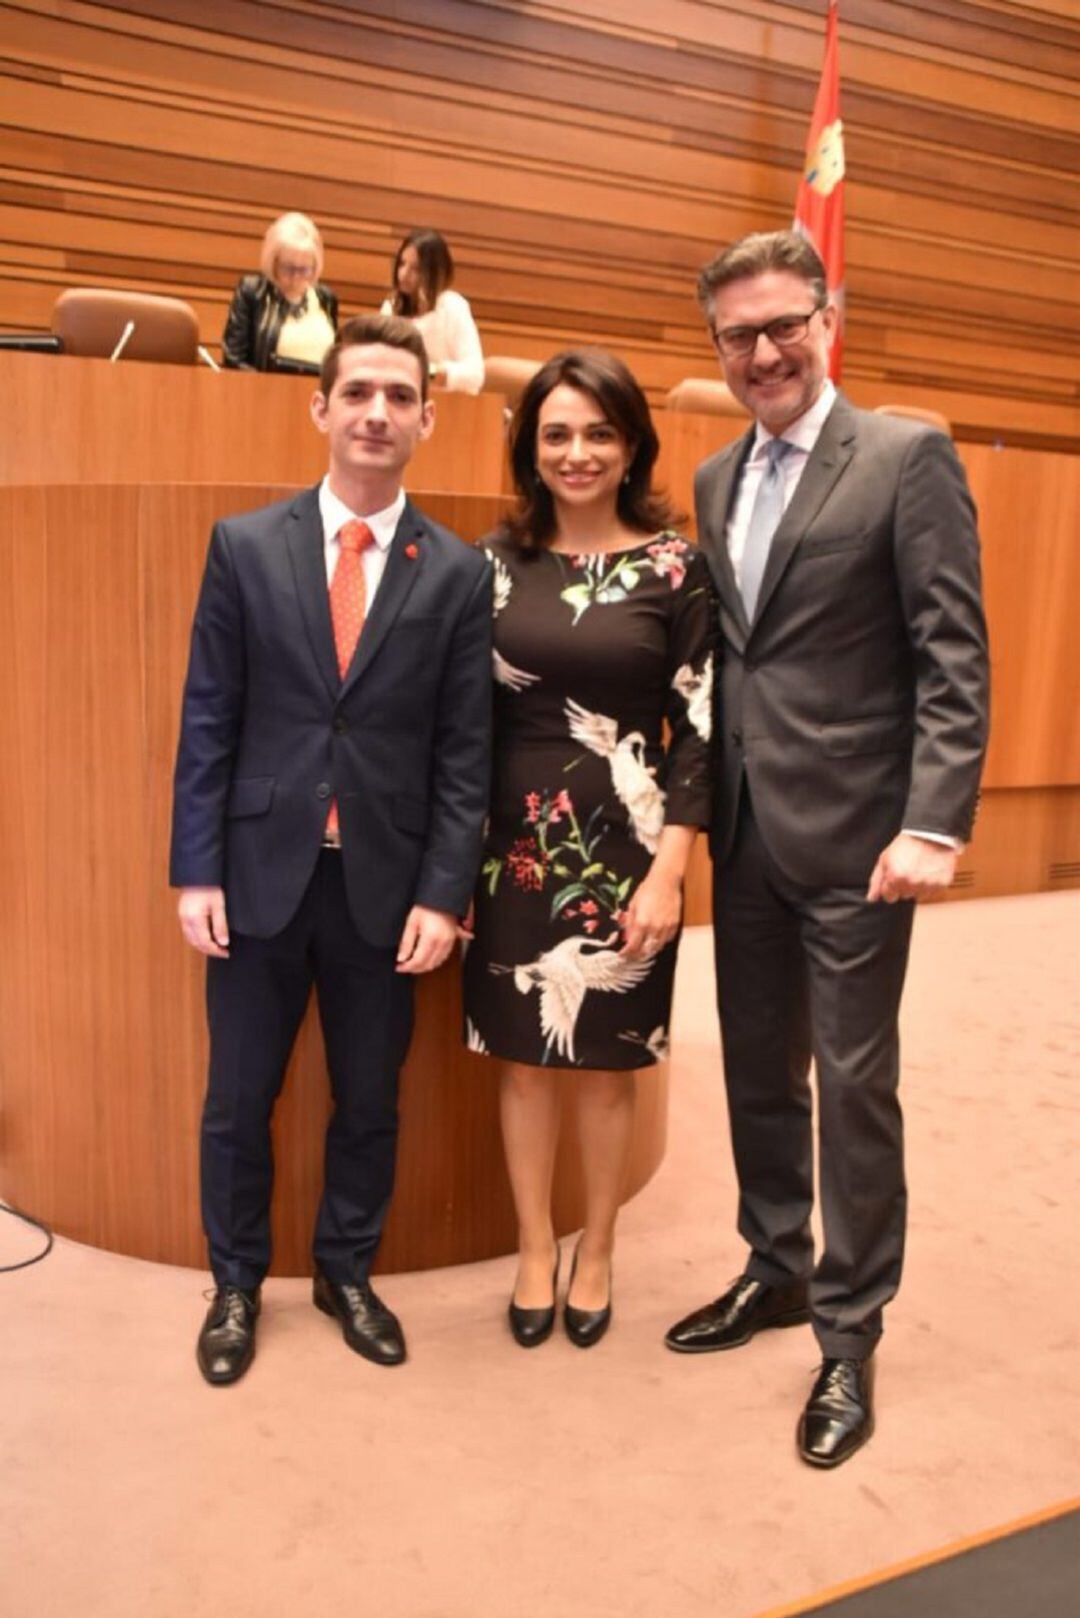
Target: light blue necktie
764, 521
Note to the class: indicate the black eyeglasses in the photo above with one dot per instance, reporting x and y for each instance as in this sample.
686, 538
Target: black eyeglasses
786, 331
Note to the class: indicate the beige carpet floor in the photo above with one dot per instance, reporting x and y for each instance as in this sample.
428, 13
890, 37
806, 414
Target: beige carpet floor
480, 1481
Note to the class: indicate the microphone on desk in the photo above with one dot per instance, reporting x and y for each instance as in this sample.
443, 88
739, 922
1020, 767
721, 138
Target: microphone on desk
207, 358
122, 344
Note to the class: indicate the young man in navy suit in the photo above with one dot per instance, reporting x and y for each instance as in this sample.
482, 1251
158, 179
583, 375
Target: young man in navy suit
330, 792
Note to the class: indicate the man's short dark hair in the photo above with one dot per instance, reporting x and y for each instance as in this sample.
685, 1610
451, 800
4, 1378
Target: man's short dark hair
362, 332
765, 250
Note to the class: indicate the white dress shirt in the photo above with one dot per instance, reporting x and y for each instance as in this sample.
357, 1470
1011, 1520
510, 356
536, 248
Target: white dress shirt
383, 524
802, 435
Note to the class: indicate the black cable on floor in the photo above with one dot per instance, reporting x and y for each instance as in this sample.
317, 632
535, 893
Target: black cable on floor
27, 1219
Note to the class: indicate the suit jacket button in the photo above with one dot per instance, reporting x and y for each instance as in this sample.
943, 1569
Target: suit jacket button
749, 665
736, 736
323, 789
340, 726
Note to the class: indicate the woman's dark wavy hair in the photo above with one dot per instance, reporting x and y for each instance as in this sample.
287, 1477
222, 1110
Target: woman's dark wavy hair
436, 270
613, 387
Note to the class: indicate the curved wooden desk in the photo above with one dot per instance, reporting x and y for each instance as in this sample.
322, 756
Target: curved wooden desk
107, 494
102, 1036
87, 421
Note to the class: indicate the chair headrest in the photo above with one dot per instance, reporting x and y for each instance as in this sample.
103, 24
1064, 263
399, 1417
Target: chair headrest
91, 320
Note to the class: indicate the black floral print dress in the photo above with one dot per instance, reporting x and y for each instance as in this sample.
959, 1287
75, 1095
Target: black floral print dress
592, 654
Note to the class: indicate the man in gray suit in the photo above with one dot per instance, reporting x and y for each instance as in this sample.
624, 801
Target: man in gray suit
854, 698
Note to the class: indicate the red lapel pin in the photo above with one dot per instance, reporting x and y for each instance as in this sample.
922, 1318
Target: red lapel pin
411, 552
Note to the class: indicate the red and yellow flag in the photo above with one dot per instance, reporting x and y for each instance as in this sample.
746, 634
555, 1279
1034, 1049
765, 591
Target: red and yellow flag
819, 206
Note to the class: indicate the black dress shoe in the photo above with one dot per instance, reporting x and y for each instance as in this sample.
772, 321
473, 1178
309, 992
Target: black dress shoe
584, 1327
748, 1306
226, 1345
531, 1327
369, 1326
839, 1414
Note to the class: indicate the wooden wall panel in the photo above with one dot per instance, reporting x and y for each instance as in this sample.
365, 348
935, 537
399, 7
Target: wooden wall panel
1026, 840
1028, 504
583, 159
93, 976
86, 421
1029, 519
102, 1026
90, 422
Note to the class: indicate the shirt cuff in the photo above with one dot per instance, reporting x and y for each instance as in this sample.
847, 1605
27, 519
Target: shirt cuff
955, 843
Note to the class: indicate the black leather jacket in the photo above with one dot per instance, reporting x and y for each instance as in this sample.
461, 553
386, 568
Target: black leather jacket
250, 339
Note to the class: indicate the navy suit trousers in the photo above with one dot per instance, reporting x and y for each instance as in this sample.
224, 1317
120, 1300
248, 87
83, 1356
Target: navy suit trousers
255, 1003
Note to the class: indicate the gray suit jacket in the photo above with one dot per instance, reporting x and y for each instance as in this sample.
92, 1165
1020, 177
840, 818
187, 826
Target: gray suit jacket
856, 702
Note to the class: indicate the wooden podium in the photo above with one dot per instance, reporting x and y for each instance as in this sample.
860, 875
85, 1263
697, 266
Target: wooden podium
110, 478
102, 1030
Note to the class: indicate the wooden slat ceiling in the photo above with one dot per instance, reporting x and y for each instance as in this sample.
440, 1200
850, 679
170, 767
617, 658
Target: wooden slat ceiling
582, 158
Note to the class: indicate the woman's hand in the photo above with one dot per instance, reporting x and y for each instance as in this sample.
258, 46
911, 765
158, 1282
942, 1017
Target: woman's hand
655, 911
653, 915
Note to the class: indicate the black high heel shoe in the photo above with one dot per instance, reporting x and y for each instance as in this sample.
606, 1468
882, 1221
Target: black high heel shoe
584, 1327
531, 1327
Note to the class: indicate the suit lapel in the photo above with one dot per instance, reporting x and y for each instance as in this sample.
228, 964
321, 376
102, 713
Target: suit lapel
715, 539
307, 553
403, 567
828, 458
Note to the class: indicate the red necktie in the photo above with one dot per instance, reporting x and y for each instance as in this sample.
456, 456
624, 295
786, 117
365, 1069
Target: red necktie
348, 597
348, 601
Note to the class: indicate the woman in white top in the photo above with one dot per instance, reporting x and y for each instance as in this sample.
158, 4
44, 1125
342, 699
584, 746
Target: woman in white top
423, 271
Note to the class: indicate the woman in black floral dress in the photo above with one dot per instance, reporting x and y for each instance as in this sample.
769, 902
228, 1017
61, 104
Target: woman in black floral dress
603, 631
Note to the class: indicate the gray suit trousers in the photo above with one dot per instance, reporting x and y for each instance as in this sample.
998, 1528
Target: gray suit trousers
814, 972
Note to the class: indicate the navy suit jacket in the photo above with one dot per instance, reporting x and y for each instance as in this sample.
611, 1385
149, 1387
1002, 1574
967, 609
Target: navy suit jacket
270, 733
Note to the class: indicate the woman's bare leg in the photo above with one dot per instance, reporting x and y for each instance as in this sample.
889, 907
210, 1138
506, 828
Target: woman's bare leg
530, 1100
605, 1104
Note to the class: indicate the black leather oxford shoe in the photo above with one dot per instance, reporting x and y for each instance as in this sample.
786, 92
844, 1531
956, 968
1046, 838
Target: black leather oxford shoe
747, 1307
368, 1325
839, 1414
226, 1345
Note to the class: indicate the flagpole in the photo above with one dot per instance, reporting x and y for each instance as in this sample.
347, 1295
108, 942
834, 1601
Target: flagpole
819, 204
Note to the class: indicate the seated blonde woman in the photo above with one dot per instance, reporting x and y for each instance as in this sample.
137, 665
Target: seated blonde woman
285, 312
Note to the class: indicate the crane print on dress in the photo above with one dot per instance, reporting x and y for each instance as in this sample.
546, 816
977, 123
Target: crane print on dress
658, 1043
505, 673
696, 692
564, 975
502, 585
634, 781
584, 786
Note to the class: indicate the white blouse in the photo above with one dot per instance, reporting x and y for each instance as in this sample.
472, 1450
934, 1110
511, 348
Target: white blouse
452, 341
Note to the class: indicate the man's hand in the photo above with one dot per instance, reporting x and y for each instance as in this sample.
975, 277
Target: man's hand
911, 868
203, 921
427, 939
